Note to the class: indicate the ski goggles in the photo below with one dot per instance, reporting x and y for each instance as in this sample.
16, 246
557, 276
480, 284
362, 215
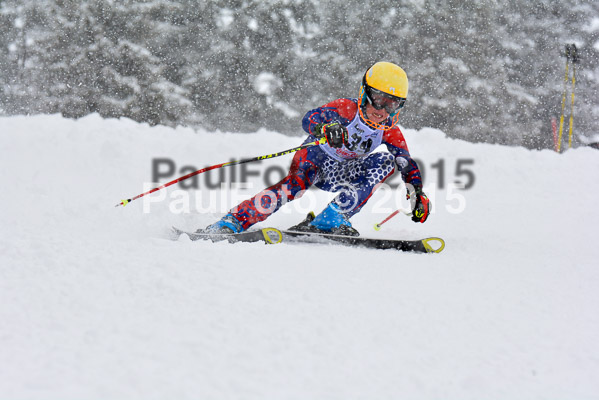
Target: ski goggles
380, 100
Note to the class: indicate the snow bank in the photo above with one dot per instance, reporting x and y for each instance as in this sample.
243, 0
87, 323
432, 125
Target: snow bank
95, 302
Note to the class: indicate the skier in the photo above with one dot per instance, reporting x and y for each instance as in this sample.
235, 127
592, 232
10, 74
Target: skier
345, 164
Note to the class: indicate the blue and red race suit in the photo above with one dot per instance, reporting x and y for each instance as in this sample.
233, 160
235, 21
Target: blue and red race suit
354, 171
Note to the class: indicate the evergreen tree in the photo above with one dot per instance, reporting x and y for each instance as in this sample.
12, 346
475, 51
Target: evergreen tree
479, 70
81, 57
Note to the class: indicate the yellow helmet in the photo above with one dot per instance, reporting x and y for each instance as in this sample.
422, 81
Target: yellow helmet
384, 85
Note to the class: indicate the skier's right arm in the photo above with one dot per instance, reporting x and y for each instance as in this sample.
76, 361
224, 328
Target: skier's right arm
340, 110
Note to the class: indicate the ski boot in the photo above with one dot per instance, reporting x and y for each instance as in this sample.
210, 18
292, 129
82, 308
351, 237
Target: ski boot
330, 221
226, 225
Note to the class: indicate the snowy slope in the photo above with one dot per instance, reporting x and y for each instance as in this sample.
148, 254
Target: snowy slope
96, 303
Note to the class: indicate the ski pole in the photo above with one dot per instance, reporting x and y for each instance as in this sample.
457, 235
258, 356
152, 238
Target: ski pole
377, 227
571, 55
572, 108
574, 61
226, 164
561, 118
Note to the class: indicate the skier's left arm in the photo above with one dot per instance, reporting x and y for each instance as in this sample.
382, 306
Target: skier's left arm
410, 173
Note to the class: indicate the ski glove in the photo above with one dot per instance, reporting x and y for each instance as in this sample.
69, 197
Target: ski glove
422, 205
334, 132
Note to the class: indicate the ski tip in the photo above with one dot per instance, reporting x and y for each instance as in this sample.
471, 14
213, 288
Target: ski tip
272, 235
174, 233
433, 244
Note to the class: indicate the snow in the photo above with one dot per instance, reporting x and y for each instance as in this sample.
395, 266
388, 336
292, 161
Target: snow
95, 302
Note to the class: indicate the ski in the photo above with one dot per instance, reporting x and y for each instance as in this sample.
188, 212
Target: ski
266, 235
428, 245
274, 235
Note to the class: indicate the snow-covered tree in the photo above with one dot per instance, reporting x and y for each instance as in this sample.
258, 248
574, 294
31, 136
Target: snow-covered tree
79, 57
479, 70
